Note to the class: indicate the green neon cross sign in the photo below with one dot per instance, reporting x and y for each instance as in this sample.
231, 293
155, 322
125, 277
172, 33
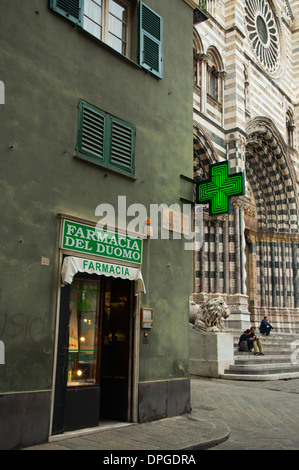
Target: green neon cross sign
219, 188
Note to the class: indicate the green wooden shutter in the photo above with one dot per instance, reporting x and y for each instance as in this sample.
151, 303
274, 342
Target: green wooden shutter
91, 132
151, 40
105, 139
122, 145
71, 9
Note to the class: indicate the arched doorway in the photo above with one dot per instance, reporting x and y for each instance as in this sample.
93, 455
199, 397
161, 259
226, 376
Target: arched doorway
250, 257
272, 234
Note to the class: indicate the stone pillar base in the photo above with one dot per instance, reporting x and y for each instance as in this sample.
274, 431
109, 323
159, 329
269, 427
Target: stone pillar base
210, 353
239, 314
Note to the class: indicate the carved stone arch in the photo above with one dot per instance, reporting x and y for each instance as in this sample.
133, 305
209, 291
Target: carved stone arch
204, 152
197, 43
261, 182
260, 206
290, 116
215, 79
197, 54
271, 175
215, 55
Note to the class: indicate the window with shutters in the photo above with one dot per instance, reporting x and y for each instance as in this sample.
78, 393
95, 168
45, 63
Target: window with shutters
150, 36
105, 140
110, 21
107, 20
70, 9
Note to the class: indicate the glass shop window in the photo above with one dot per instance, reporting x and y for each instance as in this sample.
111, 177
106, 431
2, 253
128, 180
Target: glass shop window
83, 333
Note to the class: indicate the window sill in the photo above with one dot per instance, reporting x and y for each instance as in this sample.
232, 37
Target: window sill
110, 49
214, 102
104, 168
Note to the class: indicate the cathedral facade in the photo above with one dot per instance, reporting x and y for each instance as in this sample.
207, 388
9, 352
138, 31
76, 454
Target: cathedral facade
246, 111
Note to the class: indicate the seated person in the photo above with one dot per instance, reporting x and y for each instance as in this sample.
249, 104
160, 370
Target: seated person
265, 327
257, 344
244, 341
248, 341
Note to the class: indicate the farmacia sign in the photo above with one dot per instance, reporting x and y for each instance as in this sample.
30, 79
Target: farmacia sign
94, 241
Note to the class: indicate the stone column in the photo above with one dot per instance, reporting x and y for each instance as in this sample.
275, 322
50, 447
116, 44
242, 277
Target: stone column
295, 274
202, 266
284, 273
226, 254
262, 272
243, 252
222, 76
217, 256
203, 97
273, 272
238, 302
237, 251
209, 257
251, 240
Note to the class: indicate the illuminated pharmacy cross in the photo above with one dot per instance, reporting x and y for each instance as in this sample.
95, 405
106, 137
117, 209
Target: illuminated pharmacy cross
219, 188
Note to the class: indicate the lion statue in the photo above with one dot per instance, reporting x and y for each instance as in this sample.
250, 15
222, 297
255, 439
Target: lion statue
207, 316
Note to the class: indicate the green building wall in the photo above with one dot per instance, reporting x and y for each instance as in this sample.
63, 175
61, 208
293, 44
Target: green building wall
47, 65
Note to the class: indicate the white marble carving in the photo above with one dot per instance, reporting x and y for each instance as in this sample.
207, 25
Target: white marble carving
208, 316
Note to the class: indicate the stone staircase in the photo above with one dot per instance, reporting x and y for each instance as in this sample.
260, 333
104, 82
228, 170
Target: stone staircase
277, 363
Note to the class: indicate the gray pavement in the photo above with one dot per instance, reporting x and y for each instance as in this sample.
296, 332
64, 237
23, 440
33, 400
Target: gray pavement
260, 415
226, 415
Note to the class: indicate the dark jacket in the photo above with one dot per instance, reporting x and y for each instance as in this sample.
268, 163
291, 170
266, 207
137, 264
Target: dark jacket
245, 337
265, 327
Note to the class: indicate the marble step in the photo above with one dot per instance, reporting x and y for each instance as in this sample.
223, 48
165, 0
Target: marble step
270, 351
262, 368
260, 377
276, 364
266, 359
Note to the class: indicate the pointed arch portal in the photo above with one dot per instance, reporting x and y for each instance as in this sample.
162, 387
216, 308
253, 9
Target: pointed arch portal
272, 241
250, 257
272, 179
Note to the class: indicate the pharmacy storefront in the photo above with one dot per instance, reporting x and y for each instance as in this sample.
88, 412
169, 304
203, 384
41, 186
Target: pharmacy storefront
98, 322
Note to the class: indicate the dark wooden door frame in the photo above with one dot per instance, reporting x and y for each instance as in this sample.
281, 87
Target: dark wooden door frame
59, 408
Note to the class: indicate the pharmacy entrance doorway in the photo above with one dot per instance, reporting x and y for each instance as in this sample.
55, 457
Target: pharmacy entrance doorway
94, 359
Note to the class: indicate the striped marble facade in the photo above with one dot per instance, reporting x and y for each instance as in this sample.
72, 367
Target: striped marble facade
251, 256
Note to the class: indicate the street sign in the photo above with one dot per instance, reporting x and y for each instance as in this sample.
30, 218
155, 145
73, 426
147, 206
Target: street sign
219, 188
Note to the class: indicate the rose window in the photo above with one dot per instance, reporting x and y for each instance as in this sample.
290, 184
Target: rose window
263, 33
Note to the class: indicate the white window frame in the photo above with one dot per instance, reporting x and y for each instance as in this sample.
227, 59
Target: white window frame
105, 24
